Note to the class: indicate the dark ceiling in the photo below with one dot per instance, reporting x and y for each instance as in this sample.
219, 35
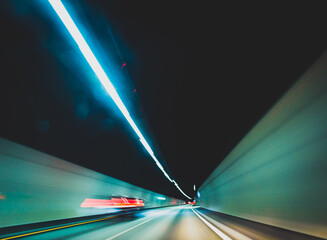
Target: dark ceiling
198, 77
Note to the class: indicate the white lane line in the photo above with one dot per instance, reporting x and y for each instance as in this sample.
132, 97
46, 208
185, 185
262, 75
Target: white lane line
129, 229
231, 232
212, 227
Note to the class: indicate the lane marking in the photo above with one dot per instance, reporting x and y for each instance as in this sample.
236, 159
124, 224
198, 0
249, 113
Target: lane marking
129, 229
233, 233
56, 228
212, 227
119, 234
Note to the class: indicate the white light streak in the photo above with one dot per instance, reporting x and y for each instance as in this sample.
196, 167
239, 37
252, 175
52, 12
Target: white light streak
102, 76
181, 190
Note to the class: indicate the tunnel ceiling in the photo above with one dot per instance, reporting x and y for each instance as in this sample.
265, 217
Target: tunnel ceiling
197, 77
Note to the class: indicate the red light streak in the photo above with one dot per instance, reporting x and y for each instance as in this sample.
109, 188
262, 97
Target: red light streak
112, 203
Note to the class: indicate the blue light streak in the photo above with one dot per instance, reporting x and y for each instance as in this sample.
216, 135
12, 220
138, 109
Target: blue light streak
102, 76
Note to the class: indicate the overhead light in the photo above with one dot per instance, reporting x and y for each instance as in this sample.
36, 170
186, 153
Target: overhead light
103, 78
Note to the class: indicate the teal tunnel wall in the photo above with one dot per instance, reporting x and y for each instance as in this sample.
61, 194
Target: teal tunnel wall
277, 174
36, 187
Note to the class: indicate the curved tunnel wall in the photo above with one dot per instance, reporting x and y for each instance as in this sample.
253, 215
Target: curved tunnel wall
36, 187
277, 174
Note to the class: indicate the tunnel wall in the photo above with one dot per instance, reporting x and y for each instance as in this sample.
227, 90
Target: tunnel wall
277, 174
36, 187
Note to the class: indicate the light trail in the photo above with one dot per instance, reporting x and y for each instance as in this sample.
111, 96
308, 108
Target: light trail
104, 79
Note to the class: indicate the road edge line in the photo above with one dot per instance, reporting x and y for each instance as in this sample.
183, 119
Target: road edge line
56, 228
212, 227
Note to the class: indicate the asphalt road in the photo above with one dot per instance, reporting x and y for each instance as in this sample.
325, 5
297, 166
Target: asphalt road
164, 223
177, 223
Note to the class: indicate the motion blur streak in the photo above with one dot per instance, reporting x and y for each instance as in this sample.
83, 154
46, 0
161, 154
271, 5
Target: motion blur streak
98, 70
112, 203
38, 187
277, 174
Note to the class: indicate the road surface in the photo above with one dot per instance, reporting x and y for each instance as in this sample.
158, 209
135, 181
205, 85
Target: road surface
180, 222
